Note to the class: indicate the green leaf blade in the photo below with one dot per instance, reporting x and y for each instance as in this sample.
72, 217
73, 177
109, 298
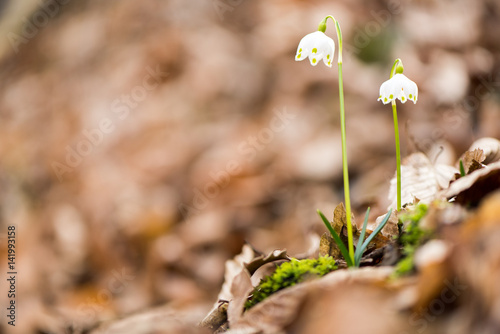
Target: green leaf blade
337, 239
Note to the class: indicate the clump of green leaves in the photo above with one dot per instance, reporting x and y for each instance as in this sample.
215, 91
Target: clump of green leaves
355, 261
290, 273
411, 238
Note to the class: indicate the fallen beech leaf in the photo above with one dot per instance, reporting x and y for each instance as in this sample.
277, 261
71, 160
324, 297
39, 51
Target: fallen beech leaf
256, 263
420, 179
472, 160
237, 284
325, 311
234, 267
240, 289
327, 247
490, 147
444, 175
340, 219
472, 188
339, 225
391, 227
278, 311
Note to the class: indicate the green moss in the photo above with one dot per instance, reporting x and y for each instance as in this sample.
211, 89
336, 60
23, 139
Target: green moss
288, 274
411, 238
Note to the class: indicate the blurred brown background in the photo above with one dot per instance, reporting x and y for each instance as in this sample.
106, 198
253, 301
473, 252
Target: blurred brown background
143, 142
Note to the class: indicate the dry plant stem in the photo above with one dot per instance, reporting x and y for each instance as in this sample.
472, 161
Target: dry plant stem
398, 155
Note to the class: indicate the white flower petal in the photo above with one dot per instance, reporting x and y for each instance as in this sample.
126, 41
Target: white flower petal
398, 87
305, 47
316, 46
387, 92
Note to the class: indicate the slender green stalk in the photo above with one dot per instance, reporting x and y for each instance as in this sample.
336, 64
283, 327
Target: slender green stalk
396, 136
344, 166
322, 27
398, 155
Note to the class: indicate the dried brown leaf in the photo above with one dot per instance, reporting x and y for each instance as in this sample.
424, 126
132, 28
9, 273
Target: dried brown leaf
391, 227
477, 154
240, 289
327, 246
490, 148
340, 219
275, 313
420, 179
472, 160
237, 284
234, 267
256, 263
324, 311
472, 188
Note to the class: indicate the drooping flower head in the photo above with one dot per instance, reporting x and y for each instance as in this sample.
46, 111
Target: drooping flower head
398, 87
316, 46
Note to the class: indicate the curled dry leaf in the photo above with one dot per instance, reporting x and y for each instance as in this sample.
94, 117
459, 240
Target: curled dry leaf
391, 227
233, 268
490, 148
218, 314
259, 261
472, 160
325, 311
277, 312
327, 247
482, 152
340, 219
240, 289
237, 285
420, 179
472, 188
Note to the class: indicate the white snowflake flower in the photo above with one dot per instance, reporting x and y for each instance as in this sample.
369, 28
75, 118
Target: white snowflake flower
317, 46
398, 87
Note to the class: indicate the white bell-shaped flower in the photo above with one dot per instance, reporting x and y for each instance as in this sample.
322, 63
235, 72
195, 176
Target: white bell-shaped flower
398, 87
316, 46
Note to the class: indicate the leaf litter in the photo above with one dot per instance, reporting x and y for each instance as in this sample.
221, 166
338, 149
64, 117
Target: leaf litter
124, 195
435, 275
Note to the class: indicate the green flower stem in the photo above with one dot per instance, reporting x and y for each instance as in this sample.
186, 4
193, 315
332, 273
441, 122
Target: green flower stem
322, 27
344, 166
397, 66
398, 155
